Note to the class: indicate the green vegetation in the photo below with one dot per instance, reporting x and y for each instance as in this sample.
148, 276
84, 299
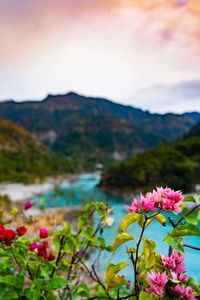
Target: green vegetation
176, 165
54, 262
24, 159
94, 130
103, 140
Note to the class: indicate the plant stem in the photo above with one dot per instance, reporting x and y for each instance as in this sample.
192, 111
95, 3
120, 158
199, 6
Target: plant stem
136, 259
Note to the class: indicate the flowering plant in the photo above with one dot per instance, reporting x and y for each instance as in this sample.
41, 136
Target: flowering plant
53, 265
157, 276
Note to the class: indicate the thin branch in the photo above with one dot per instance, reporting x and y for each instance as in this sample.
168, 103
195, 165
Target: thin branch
96, 278
171, 221
190, 246
18, 263
29, 272
62, 242
188, 213
126, 297
68, 277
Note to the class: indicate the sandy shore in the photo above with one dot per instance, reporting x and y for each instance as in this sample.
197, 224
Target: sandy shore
22, 192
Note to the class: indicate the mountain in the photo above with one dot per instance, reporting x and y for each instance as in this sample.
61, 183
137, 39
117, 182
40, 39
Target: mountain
94, 129
193, 115
176, 165
194, 132
25, 159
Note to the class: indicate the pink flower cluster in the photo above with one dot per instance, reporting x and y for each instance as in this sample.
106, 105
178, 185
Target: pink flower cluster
162, 198
178, 290
175, 265
157, 282
42, 250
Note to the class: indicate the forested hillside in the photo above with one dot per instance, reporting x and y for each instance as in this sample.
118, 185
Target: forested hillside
176, 165
23, 158
93, 129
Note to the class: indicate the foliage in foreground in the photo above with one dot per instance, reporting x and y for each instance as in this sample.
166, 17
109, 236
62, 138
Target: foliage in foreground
54, 266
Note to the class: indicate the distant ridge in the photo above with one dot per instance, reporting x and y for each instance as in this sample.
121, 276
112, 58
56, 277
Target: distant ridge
95, 129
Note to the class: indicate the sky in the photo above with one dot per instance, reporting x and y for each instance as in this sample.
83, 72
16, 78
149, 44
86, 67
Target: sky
144, 53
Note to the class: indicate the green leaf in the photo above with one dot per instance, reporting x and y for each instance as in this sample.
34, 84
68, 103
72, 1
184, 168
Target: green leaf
160, 218
175, 243
57, 282
174, 281
88, 233
100, 207
3, 252
69, 246
149, 252
82, 221
67, 227
143, 296
121, 239
131, 250
16, 281
116, 282
75, 240
142, 278
141, 220
32, 294
189, 198
191, 282
128, 220
191, 219
183, 230
83, 291
112, 270
198, 214
10, 294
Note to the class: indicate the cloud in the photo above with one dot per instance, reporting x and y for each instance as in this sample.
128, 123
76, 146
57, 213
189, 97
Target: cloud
108, 48
180, 97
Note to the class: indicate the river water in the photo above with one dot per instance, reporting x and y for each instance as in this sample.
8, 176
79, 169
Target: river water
83, 189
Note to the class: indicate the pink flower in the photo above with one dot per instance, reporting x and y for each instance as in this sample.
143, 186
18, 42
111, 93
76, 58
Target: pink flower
33, 246
171, 200
181, 277
128, 285
157, 197
180, 291
43, 233
168, 262
134, 206
175, 196
174, 262
177, 290
177, 257
188, 295
157, 282
147, 203
27, 205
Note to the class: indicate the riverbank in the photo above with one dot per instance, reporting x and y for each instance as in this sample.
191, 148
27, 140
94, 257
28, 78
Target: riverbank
21, 192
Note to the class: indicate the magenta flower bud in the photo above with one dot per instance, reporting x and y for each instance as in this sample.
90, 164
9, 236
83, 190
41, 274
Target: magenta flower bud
43, 233
33, 246
27, 205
